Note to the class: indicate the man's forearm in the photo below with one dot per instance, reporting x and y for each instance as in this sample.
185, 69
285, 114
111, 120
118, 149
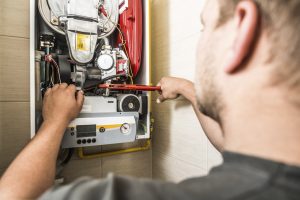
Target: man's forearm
33, 171
211, 128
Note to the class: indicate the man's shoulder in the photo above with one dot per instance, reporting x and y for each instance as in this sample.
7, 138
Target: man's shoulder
218, 185
240, 177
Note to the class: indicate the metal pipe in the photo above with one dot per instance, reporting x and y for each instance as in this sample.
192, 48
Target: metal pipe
38, 94
81, 154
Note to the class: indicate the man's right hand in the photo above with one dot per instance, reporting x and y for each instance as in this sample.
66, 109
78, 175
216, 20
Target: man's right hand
62, 104
172, 88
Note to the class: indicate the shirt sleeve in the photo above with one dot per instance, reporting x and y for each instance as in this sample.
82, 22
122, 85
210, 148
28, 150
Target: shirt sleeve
116, 188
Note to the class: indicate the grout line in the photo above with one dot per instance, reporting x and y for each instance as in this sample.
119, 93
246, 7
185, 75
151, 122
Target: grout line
179, 159
15, 101
11, 36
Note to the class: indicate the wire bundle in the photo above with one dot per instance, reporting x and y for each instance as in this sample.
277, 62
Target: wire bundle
49, 59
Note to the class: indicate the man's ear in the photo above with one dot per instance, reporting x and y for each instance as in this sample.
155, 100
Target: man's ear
246, 23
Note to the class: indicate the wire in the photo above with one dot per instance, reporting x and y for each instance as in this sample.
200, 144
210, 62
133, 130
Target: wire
112, 77
108, 18
57, 69
124, 47
103, 81
68, 157
50, 60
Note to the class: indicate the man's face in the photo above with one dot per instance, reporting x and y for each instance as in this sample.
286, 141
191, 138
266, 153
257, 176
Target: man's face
212, 46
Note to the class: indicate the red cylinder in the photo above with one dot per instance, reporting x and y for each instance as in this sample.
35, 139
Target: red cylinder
131, 25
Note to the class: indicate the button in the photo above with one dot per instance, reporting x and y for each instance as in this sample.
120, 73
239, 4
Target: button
83, 141
102, 130
94, 140
89, 141
78, 141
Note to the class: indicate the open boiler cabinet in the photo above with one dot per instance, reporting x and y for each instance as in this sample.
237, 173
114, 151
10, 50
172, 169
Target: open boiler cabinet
88, 43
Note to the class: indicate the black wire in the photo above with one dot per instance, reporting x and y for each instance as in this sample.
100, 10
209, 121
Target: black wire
68, 157
103, 81
112, 77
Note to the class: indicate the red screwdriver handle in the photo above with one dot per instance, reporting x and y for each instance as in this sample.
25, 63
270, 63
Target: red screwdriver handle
130, 87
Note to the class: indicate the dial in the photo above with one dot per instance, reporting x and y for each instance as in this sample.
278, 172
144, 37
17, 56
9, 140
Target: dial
125, 128
105, 62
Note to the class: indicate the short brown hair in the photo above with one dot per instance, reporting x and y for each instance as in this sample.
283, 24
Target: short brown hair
281, 20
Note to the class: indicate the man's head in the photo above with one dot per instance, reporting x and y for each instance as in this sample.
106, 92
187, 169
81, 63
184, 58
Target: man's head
248, 48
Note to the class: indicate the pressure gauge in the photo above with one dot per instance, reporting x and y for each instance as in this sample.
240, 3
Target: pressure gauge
125, 128
105, 62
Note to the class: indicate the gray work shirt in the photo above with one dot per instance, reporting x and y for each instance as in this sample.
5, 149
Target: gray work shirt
240, 177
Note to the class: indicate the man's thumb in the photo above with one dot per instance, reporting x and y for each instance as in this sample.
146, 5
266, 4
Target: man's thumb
80, 98
160, 99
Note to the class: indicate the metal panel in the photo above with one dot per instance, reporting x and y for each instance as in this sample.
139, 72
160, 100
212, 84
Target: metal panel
108, 130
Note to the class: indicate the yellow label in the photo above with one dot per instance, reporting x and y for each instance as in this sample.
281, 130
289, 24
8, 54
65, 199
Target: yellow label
113, 126
82, 42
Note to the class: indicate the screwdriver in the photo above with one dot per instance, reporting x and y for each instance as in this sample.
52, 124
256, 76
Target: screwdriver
129, 87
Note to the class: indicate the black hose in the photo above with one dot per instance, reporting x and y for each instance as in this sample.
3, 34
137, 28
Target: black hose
68, 157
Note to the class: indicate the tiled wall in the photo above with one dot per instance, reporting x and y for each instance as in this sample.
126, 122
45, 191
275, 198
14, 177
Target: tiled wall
180, 148
14, 79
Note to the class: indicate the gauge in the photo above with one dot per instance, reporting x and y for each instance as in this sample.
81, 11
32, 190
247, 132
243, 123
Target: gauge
125, 128
105, 62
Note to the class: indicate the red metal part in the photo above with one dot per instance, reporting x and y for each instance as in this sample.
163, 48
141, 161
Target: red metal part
129, 87
131, 25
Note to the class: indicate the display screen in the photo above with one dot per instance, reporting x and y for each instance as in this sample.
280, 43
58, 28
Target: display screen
86, 131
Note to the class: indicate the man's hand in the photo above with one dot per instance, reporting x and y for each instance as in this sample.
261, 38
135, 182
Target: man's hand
62, 104
172, 88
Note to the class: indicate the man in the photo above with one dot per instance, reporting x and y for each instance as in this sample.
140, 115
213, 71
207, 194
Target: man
247, 88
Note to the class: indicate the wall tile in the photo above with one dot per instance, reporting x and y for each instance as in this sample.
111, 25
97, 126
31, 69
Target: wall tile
14, 69
14, 131
14, 18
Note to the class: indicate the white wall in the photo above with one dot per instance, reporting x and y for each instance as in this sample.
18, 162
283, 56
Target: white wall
180, 148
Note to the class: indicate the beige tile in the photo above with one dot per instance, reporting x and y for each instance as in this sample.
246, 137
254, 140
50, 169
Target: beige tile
14, 69
14, 18
137, 164
79, 168
172, 169
177, 133
14, 131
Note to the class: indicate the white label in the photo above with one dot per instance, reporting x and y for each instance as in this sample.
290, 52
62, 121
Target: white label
86, 109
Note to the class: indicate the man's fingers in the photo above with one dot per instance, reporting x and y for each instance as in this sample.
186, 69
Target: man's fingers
71, 88
55, 87
80, 98
49, 90
159, 85
63, 86
160, 99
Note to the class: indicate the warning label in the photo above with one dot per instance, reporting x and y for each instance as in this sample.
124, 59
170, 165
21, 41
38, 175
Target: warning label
83, 42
